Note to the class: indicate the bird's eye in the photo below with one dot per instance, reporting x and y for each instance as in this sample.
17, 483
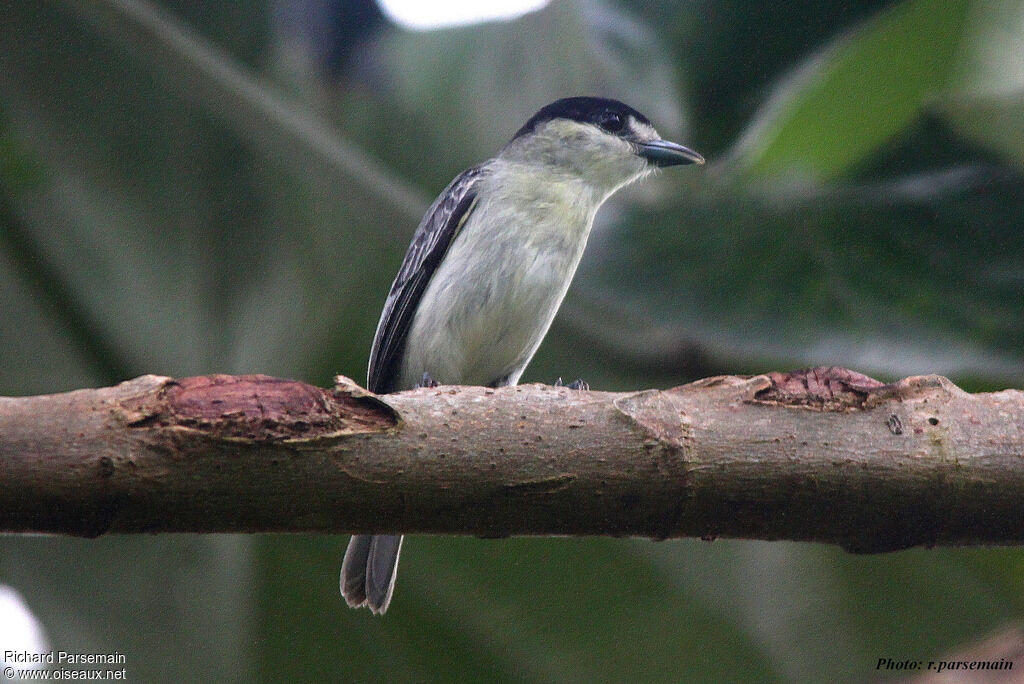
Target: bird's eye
611, 122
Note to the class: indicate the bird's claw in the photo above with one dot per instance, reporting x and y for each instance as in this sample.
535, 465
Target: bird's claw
577, 384
427, 381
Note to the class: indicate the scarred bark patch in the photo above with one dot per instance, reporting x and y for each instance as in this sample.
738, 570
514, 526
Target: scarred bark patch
260, 408
824, 388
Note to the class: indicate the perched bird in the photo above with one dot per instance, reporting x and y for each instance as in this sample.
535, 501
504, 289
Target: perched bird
488, 268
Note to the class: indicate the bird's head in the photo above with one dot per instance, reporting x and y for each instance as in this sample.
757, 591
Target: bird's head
600, 141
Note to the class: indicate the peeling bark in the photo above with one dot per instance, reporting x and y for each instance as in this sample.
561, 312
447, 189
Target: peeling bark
824, 455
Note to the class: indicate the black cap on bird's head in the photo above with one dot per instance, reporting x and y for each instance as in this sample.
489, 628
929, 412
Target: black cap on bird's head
618, 119
602, 112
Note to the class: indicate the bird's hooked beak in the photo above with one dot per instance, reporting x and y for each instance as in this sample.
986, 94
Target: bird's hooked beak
665, 153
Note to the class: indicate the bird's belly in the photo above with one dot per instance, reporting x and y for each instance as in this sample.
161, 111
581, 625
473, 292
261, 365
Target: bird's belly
480, 324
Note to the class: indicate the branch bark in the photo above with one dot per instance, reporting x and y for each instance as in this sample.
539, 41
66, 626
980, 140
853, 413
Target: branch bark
823, 455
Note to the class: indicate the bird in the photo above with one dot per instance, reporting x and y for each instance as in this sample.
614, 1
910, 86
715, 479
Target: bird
489, 265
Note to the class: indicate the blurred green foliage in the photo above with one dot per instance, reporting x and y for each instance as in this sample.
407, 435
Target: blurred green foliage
189, 188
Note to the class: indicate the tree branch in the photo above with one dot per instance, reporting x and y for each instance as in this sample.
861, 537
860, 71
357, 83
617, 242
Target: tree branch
823, 455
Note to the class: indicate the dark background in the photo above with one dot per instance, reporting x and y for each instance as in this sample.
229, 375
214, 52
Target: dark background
230, 186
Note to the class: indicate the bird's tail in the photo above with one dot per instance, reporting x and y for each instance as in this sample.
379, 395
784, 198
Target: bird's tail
369, 569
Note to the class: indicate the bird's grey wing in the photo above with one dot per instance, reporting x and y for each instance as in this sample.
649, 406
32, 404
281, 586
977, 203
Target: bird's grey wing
435, 234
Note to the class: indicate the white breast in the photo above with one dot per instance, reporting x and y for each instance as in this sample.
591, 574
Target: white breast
495, 294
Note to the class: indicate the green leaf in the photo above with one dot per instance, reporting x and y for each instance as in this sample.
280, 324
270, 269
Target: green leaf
853, 97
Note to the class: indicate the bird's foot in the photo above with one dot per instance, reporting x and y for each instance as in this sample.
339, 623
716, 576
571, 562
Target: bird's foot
427, 381
576, 384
